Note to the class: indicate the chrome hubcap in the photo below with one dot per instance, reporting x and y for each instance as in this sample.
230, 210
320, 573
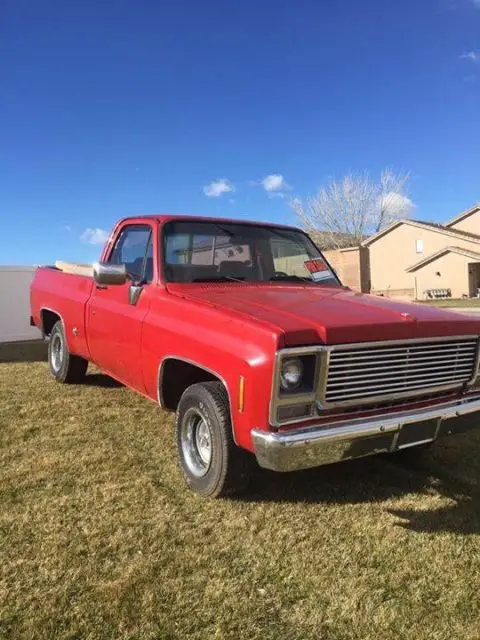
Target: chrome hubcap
203, 442
196, 442
56, 352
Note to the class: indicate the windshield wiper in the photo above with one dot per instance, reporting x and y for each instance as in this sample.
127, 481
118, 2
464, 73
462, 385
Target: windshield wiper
218, 279
292, 278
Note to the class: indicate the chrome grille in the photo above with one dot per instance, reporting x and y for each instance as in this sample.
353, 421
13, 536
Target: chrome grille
365, 372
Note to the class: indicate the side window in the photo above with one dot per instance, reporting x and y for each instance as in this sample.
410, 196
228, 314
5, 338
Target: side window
288, 256
134, 248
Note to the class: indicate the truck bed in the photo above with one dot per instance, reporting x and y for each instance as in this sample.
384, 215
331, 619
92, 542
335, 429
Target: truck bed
66, 294
78, 268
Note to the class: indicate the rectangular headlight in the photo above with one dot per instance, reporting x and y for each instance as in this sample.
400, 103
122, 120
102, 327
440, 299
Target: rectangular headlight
297, 374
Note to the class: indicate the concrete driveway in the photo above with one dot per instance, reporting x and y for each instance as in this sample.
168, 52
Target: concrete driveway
469, 311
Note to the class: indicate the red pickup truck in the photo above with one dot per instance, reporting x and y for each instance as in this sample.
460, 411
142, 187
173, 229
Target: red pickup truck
246, 332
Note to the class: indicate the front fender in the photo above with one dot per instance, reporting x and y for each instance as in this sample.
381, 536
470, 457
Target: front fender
228, 347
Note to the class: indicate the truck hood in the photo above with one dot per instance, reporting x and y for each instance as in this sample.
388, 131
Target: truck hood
313, 314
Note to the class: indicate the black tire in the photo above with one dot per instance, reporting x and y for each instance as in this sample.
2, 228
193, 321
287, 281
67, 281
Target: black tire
221, 468
64, 366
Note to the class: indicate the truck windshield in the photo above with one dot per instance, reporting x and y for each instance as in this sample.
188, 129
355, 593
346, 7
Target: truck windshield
195, 251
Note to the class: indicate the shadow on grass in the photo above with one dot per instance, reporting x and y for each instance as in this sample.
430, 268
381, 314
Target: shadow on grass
28, 351
37, 351
101, 380
379, 478
462, 518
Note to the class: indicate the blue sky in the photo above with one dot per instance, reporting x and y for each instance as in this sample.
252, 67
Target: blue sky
121, 107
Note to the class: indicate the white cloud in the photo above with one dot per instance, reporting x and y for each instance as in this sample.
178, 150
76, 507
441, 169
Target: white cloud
94, 236
218, 187
275, 182
68, 227
453, 5
396, 204
473, 56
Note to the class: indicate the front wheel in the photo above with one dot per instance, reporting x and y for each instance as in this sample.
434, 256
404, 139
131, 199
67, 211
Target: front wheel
64, 366
211, 462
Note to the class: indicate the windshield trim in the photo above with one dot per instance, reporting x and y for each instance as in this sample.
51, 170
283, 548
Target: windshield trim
222, 222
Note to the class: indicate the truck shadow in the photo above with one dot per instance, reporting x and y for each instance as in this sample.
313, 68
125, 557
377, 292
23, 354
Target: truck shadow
97, 379
383, 478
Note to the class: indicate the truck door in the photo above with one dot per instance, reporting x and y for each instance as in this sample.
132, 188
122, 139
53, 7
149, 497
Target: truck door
115, 313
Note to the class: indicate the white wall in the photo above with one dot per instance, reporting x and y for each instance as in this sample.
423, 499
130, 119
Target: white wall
15, 304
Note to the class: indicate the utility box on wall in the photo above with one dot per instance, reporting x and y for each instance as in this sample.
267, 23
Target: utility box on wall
15, 304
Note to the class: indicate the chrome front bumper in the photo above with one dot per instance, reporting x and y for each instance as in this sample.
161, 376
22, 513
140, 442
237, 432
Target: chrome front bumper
327, 443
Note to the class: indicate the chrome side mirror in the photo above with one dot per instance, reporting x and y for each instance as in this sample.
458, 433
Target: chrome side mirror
106, 273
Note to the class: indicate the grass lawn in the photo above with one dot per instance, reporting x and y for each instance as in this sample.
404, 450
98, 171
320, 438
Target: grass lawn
453, 302
100, 539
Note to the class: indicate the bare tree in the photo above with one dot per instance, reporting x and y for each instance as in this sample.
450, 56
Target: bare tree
345, 212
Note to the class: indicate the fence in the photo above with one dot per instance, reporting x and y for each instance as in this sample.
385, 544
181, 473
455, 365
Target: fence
15, 304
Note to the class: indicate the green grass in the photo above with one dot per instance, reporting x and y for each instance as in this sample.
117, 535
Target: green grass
100, 538
452, 302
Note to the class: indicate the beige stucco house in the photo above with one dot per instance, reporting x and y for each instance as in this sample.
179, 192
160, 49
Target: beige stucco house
412, 259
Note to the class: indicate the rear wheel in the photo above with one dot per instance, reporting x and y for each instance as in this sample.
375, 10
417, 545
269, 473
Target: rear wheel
211, 462
64, 366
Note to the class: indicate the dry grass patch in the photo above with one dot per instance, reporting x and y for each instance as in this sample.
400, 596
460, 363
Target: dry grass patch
100, 538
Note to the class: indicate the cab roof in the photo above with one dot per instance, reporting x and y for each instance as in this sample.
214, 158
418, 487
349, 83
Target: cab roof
167, 217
